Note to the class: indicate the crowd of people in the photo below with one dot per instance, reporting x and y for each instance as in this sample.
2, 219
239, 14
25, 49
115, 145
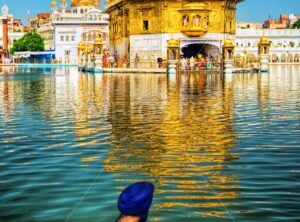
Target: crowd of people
115, 61
200, 63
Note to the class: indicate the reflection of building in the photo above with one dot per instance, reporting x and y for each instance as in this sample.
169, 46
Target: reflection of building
170, 131
83, 22
144, 27
285, 44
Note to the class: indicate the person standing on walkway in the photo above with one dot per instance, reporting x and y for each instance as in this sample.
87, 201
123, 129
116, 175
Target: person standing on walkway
136, 60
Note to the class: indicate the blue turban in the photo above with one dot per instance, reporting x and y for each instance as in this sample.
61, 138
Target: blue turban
136, 199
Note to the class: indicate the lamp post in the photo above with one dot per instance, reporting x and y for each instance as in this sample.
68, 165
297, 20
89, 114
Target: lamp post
98, 54
264, 53
228, 56
173, 53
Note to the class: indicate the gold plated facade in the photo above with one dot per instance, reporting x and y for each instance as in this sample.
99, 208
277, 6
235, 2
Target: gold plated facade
144, 27
76, 3
193, 18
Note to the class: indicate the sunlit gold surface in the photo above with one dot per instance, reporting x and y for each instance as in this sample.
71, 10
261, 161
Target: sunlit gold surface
167, 16
192, 135
76, 3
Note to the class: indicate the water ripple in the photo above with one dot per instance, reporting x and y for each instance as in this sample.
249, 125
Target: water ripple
217, 148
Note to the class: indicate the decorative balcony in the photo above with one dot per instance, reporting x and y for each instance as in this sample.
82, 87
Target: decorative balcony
193, 31
195, 19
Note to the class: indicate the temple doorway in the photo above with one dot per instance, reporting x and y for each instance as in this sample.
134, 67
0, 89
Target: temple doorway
203, 50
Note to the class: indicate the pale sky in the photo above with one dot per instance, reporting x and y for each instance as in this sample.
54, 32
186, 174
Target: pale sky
249, 10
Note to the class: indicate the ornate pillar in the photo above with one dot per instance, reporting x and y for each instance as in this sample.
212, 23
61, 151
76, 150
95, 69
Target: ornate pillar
80, 54
98, 54
264, 53
228, 55
173, 53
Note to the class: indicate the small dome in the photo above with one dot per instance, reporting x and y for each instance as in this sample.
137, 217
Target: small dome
228, 43
173, 43
81, 46
98, 41
264, 40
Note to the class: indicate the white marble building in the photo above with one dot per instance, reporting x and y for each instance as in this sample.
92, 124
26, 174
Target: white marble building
82, 22
285, 44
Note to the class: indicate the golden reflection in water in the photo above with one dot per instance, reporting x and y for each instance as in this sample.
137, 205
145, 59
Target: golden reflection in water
176, 130
179, 133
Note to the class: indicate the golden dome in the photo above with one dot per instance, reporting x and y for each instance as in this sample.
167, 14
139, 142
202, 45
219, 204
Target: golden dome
173, 43
53, 2
228, 43
264, 40
81, 46
76, 3
98, 41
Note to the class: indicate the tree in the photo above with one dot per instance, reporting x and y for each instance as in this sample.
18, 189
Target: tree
31, 41
296, 25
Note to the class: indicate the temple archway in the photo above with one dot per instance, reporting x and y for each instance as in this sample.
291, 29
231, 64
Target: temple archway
275, 58
290, 58
296, 58
198, 50
238, 60
283, 58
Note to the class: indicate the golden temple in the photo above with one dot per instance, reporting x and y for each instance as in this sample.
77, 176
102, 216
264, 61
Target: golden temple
151, 23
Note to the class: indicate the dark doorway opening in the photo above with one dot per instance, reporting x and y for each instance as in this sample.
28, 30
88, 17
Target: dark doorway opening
193, 50
205, 50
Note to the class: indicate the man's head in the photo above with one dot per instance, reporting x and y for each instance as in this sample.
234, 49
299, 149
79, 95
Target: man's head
135, 201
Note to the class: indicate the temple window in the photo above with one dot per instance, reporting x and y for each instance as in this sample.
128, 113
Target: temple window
145, 25
229, 54
185, 20
81, 11
62, 38
205, 22
73, 38
196, 20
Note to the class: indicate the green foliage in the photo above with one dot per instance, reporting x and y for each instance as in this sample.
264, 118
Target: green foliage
292, 44
31, 41
296, 25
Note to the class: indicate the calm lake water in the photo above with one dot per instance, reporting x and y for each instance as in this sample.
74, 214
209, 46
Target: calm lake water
216, 148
